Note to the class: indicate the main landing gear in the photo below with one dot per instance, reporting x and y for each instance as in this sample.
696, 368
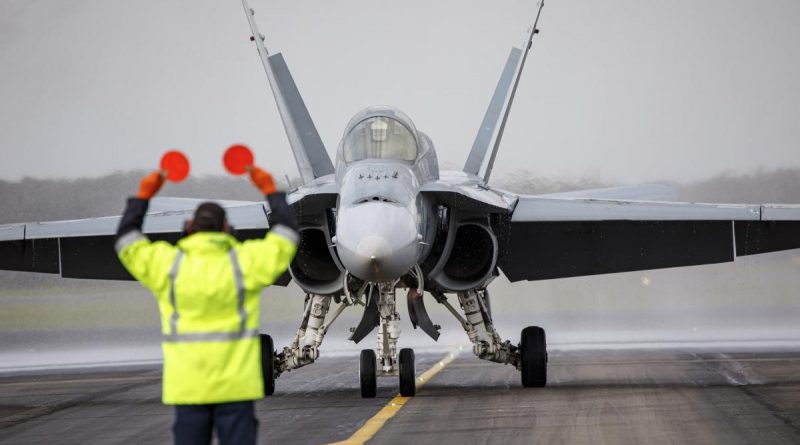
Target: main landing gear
267, 363
533, 357
529, 356
304, 348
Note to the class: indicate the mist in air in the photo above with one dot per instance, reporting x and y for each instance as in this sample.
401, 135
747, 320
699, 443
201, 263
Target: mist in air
46, 320
701, 95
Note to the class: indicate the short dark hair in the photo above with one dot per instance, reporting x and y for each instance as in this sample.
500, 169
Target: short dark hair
209, 217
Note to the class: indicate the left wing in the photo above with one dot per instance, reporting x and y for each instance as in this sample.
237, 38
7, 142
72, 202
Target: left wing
558, 237
84, 248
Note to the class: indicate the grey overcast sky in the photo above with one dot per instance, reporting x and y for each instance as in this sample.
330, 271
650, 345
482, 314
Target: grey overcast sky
628, 90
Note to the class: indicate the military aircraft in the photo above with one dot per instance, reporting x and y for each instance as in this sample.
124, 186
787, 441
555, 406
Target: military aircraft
384, 217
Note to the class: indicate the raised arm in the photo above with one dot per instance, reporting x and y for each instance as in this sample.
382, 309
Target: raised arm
145, 260
268, 258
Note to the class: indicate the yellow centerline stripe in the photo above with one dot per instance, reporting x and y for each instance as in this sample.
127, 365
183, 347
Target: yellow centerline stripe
377, 421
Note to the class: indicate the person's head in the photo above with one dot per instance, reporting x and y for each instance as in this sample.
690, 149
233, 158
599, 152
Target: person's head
209, 217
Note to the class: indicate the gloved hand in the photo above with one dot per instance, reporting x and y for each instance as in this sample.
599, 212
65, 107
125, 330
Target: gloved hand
262, 180
150, 185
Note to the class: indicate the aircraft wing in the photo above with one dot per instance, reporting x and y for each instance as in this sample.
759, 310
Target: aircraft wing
551, 237
649, 192
84, 248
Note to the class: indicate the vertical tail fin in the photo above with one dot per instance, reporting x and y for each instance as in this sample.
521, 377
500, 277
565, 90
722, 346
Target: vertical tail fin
481, 159
309, 152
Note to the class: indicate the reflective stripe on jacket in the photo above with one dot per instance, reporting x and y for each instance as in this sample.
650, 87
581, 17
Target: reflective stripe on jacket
208, 291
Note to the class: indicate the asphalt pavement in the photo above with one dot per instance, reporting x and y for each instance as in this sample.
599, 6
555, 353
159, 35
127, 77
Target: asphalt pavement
596, 396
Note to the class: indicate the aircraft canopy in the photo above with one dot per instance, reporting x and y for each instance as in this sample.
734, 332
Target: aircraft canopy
380, 137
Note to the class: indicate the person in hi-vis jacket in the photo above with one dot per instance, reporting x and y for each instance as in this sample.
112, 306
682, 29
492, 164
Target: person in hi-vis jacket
208, 292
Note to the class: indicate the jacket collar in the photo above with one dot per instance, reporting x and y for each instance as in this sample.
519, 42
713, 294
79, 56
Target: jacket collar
207, 242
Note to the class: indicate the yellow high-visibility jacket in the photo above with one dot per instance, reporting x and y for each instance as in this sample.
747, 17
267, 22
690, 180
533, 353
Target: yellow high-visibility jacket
208, 291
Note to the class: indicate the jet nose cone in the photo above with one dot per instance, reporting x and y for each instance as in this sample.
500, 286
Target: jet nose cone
373, 247
371, 257
377, 241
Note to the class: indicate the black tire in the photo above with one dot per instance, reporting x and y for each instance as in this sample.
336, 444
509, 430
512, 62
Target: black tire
408, 377
267, 364
533, 349
367, 374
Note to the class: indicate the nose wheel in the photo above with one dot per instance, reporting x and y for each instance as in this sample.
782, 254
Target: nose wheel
408, 384
367, 373
406, 370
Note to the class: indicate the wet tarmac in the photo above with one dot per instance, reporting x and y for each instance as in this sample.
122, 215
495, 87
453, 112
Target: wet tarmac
596, 396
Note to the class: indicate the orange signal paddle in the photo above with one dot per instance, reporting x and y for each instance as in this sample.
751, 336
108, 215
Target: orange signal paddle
237, 159
176, 165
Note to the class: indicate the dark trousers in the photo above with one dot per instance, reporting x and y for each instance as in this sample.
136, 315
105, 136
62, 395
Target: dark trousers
235, 423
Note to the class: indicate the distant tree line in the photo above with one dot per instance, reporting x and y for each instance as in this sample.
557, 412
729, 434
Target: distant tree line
760, 187
54, 199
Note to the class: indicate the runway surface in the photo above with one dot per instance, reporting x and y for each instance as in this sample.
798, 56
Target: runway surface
613, 396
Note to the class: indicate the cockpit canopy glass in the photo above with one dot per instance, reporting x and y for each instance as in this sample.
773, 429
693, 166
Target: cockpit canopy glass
380, 137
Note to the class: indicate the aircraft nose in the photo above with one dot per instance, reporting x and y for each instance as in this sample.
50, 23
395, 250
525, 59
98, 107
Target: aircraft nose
377, 241
373, 247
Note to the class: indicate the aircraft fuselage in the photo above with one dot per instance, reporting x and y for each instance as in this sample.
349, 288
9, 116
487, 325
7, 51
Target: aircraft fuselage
383, 224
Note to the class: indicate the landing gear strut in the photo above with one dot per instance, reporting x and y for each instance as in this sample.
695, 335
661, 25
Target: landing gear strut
529, 356
304, 348
388, 329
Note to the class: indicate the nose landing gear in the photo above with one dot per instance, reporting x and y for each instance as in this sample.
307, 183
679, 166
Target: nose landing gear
408, 384
367, 375
387, 362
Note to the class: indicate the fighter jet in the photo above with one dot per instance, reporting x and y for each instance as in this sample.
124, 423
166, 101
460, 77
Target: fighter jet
383, 218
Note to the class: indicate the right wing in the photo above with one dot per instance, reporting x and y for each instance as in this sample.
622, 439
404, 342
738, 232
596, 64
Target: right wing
309, 152
648, 192
557, 238
84, 248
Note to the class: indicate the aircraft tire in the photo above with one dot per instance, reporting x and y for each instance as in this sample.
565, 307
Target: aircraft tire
267, 364
408, 378
367, 373
533, 350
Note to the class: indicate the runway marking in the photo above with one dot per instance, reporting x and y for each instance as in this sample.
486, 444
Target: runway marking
376, 422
